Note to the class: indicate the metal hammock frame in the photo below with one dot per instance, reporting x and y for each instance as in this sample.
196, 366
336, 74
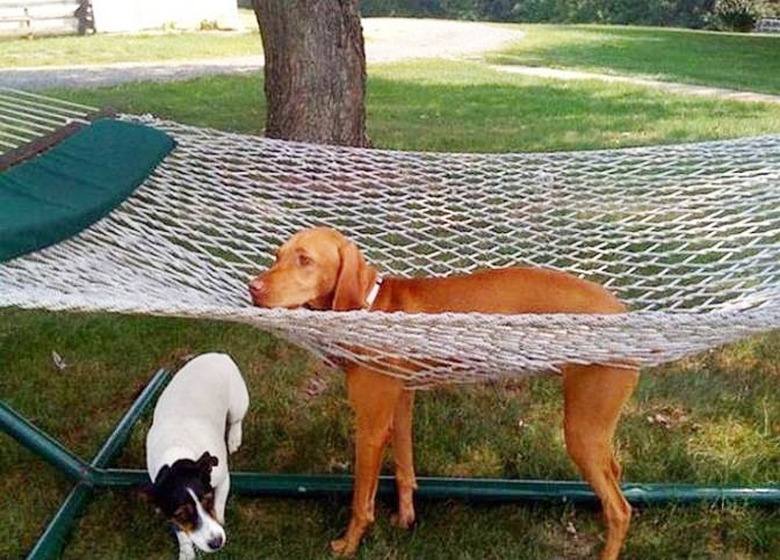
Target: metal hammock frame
688, 235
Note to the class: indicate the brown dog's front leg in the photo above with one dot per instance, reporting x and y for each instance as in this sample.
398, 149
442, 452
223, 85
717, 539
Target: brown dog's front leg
373, 398
403, 454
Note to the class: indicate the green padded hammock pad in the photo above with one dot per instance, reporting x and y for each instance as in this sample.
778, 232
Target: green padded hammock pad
68, 188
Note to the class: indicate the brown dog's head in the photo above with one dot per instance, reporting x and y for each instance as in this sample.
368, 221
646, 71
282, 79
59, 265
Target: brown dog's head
317, 268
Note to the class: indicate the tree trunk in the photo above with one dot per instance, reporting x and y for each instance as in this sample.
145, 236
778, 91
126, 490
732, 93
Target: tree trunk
315, 70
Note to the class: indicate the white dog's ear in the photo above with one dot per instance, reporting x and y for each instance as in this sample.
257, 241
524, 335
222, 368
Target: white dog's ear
146, 493
207, 461
353, 279
161, 477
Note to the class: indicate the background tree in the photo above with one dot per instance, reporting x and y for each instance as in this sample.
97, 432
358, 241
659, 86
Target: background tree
315, 70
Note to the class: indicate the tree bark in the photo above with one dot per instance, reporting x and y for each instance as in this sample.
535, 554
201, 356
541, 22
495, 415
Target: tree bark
315, 70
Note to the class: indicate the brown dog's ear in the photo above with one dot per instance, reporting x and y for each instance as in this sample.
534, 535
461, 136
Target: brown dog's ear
353, 279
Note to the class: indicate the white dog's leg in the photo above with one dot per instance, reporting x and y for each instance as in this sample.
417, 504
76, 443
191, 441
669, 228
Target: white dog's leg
220, 499
239, 403
186, 549
234, 436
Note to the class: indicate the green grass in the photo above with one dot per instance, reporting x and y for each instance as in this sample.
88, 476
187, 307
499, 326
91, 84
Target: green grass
719, 412
738, 61
155, 46
730, 60
708, 400
465, 107
105, 49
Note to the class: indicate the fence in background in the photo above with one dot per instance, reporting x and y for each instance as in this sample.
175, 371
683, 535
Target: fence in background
33, 18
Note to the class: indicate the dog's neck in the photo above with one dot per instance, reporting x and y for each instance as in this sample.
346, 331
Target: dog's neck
404, 294
387, 292
373, 292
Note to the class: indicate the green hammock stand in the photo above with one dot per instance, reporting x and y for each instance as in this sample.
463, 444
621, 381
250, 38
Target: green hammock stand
96, 475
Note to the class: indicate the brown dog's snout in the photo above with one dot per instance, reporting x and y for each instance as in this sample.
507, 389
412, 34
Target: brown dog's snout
257, 289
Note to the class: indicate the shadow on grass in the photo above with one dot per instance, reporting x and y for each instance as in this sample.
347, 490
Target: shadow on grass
497, 114
545, 115
737, 61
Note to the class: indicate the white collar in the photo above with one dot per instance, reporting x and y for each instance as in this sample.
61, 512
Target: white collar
371, 297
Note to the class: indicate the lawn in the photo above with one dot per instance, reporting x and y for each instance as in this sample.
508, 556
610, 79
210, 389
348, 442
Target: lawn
747, 62
155, 46
466, 107
710, 419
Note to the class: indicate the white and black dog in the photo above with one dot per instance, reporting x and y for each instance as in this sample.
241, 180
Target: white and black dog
197, 422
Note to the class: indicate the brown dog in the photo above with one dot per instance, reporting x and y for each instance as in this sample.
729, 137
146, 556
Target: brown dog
321, 269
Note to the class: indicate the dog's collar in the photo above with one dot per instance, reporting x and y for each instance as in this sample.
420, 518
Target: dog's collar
373, 292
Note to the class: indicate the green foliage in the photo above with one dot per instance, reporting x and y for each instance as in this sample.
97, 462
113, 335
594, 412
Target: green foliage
680, 13
771, 8
737, 15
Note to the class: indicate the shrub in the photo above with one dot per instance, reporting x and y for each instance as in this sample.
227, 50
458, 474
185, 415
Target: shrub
685, 13
737, 15
771, 8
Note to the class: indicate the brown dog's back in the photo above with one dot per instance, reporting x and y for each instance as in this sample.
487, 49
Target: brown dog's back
506, 290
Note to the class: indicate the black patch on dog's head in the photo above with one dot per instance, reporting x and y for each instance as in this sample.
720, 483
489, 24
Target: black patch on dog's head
169, 490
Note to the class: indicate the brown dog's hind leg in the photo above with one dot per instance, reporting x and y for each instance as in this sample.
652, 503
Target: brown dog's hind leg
403, 455
373, 398
593, 398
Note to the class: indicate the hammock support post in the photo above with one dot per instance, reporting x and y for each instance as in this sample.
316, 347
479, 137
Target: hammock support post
51, 542
87, 475
19, 428
96, 475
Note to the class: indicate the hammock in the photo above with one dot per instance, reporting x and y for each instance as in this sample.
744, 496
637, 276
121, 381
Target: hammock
687, 235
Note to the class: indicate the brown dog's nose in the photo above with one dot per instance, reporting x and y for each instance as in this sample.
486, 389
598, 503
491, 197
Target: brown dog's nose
257, 288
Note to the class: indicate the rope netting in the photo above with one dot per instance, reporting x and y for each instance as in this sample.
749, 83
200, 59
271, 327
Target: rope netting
26, 117
687, 235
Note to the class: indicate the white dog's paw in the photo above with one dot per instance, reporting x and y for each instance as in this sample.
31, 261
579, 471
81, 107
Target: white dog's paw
187, 552
186, 548
234, 437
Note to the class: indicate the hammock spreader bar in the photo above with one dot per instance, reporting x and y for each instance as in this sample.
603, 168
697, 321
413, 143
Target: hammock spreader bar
72, 185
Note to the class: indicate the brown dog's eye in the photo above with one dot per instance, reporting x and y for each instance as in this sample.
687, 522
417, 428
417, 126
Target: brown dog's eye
304, 260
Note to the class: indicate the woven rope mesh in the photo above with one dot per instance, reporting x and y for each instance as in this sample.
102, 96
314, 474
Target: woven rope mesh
688, 236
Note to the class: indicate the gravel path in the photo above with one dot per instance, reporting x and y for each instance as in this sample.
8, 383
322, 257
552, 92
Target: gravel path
42, 77
721, 93
387, 40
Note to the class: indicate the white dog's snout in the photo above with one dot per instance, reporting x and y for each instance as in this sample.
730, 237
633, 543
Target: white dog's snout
209, 536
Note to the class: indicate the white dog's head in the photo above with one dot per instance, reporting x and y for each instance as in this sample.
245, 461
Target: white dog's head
183, 493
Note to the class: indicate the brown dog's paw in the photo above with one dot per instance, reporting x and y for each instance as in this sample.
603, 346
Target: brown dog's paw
342, 547
406, 522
